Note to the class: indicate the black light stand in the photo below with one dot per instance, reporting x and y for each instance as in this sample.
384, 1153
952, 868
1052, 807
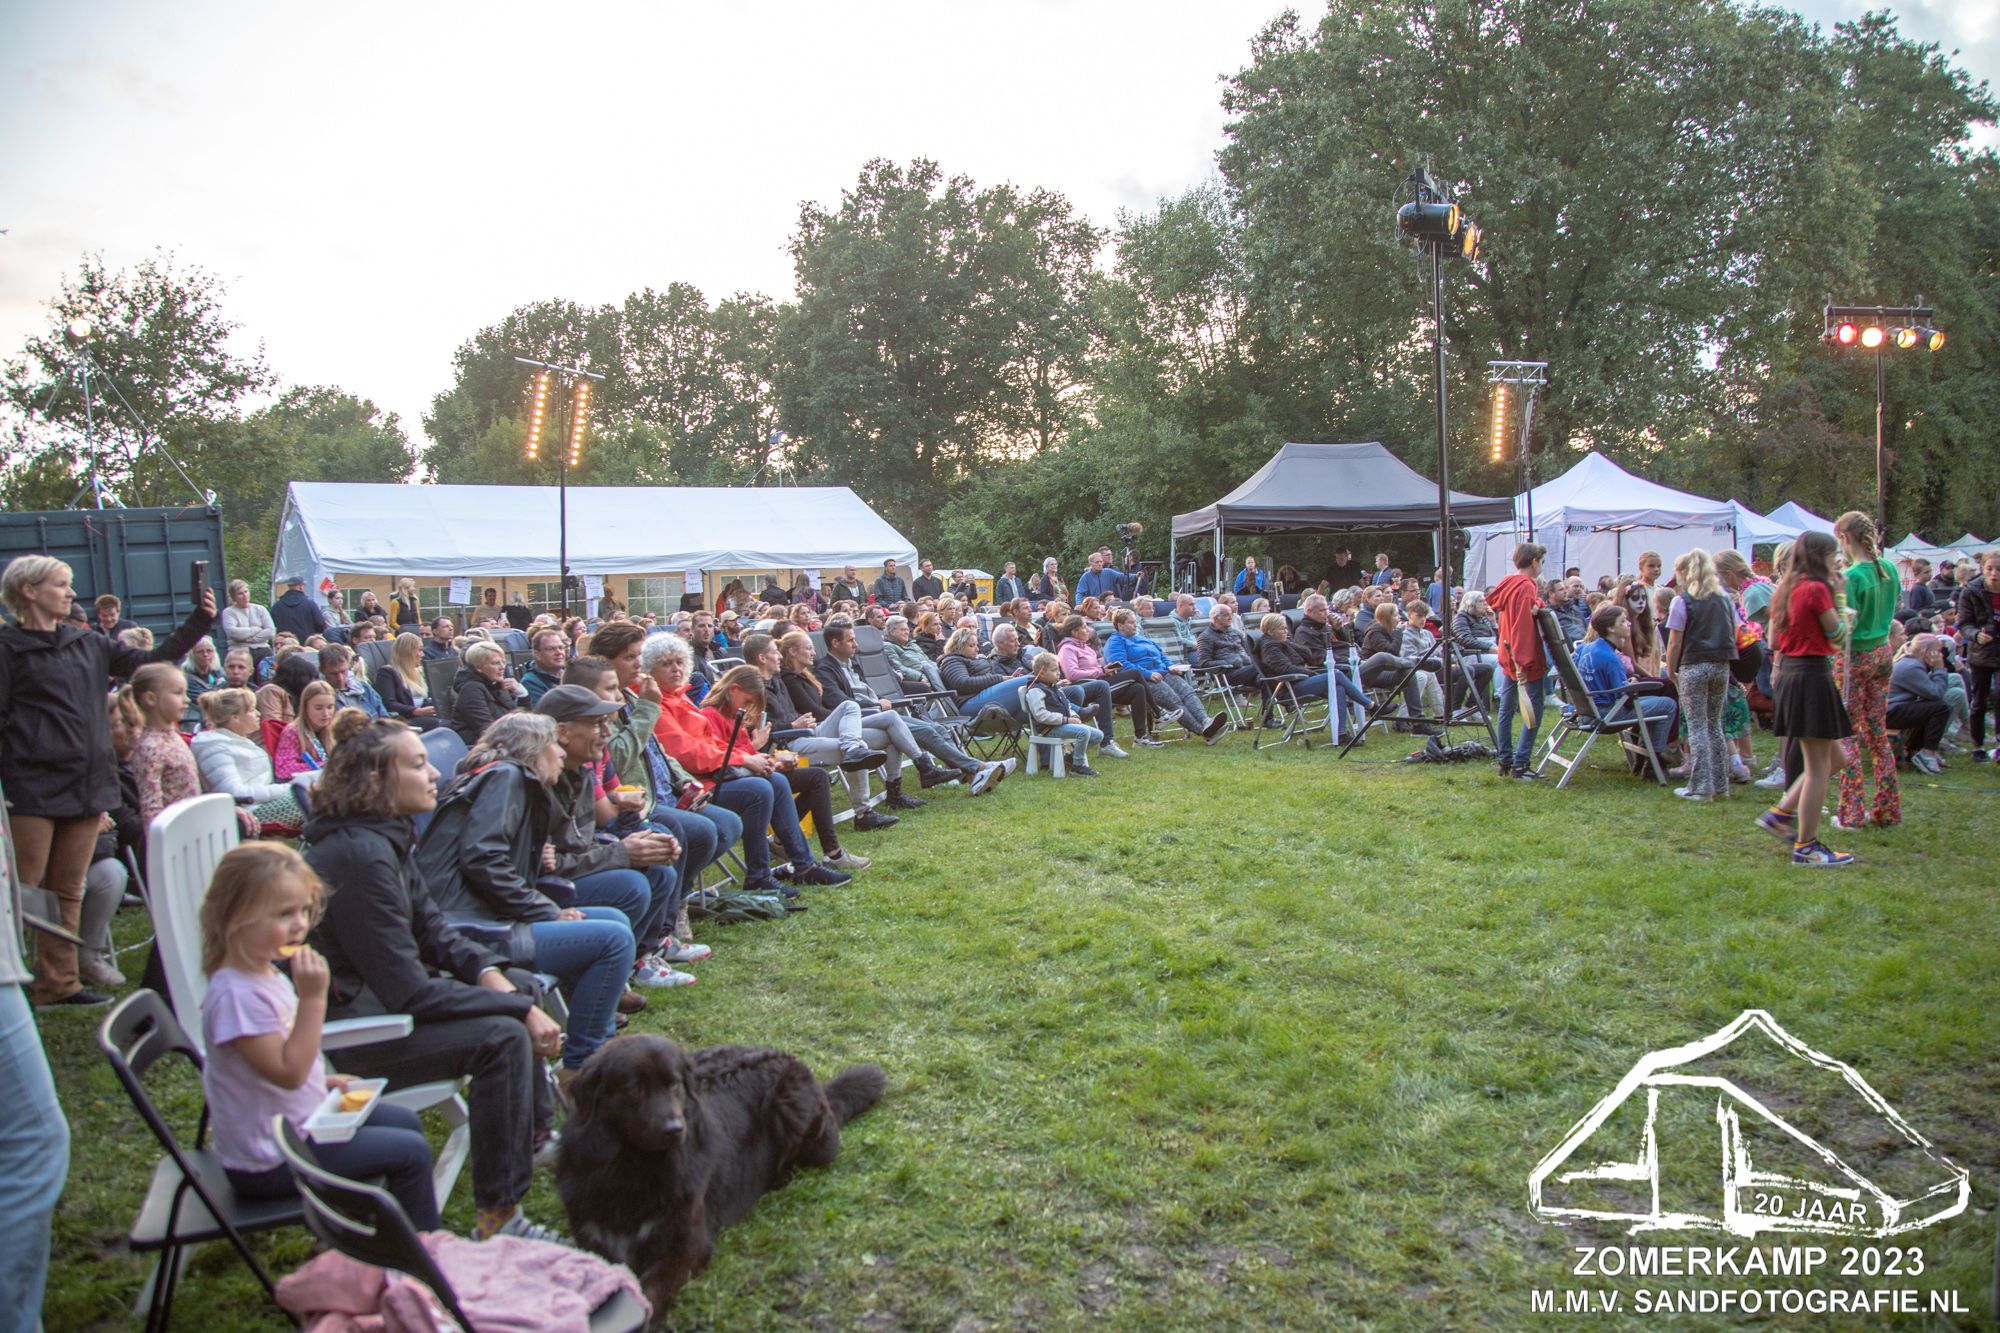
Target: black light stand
568, 454
83, 371
1436, 225
1876, 328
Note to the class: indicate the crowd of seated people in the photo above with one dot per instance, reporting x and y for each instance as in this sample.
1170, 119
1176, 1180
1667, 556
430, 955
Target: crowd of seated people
655, 746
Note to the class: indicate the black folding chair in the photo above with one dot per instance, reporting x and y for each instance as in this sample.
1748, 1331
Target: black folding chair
1581, 716
365, 1222
439, 675
189, 1199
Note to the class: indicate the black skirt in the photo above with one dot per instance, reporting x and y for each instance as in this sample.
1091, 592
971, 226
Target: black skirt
1808, 704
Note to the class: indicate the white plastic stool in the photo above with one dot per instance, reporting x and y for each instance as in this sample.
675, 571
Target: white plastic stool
1058, 749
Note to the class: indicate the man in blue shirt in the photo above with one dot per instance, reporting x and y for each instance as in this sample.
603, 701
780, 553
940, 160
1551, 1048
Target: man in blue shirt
551, 654
438, 645
1097, 581
336, 667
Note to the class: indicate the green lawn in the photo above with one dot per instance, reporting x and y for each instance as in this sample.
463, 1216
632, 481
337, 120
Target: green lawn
1228, 1039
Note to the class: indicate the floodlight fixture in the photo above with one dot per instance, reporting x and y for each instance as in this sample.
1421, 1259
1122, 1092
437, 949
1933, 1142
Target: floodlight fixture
1877, 329
579, 414
538, 409
1502, 414
79, 330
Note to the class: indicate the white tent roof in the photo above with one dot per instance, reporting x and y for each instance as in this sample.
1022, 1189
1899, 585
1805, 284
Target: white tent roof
1599, 495
1795, 518
1967, 542
1754, 527
1912, 544
510, 531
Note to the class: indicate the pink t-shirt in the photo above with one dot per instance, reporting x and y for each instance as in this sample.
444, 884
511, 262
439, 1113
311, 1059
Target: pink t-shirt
241, 1101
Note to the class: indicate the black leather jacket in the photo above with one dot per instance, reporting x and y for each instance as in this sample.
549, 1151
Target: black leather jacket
481, 853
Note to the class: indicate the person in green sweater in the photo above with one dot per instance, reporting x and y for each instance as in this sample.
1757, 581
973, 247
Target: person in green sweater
1873, 589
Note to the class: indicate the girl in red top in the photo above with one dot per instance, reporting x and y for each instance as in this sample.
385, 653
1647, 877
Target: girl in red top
1805, 624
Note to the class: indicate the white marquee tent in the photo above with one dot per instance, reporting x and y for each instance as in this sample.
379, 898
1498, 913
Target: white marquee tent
1599, 517
1797, 519
1965, 548
443, 532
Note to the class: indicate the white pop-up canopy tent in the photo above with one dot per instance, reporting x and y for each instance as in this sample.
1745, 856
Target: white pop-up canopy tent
443, 532
1798, 519
1599, 518
1966, 547
1753, 528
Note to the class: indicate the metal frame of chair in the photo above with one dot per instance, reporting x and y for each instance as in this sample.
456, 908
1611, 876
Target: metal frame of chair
364, 1222
1582, 715
1295, 721
183, 845
137, 1034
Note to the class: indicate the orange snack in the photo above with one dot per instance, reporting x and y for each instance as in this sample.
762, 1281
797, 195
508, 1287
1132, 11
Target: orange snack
355, 1099
287, 950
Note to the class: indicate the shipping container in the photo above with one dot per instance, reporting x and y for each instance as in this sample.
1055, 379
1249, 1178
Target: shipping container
142, 555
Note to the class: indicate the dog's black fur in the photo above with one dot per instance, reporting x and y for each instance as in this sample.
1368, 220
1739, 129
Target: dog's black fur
668, 1146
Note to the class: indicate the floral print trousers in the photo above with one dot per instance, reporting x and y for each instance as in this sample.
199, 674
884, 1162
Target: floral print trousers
1867, 694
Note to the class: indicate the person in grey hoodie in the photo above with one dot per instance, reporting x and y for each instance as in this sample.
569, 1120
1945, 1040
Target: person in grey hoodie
1917, 705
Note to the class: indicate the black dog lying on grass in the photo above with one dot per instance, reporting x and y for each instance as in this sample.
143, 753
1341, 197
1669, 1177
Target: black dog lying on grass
668, 1146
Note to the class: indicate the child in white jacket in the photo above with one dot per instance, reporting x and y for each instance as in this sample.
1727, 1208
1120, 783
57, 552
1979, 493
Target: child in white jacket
233, 762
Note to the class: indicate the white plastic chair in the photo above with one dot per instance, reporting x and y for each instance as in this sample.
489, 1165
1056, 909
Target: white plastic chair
183, 845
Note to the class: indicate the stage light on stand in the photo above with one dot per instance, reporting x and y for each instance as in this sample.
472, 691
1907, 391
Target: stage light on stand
1878, 329
79, 330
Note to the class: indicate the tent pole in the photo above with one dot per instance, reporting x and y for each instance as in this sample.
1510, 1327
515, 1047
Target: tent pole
1173, 569
1221, 575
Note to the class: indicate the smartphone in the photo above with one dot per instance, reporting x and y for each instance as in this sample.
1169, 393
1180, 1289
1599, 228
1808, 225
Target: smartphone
197, 578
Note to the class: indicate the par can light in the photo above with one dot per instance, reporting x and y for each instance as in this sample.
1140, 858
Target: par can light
1871, 337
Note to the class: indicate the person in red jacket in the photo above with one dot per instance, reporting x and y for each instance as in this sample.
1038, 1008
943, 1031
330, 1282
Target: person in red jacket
1524, 666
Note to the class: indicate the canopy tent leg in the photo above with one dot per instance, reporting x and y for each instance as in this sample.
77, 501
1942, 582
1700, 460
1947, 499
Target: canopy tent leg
1173, 565
1221, 567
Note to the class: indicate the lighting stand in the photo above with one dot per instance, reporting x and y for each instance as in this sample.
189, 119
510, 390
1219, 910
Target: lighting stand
577, 381
83, 371
1424, 218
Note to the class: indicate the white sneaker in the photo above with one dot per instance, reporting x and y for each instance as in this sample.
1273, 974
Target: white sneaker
1740, 771
846, 862
1688, 794
654, 972
97, 971
984, 779
1110, 750
1772, 781
676, 950
1007, 767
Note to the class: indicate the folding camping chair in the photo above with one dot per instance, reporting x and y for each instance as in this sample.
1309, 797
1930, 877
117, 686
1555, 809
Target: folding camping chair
1580, 714
183, 845
365, 1222
189, 1199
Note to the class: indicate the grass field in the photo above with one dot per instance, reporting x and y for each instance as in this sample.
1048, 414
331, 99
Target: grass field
1228, 1039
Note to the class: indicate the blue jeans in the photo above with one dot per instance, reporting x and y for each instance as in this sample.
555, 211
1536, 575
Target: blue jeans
1080, 737
645, 896
1092, 697
1658, 710
1510, 711
391, 1145
594, 958
1007, 695
34, 1163
761, 803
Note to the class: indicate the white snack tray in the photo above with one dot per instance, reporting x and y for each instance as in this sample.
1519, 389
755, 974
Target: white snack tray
330, 1124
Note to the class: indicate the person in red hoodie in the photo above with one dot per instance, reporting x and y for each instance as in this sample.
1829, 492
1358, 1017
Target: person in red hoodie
1524, 666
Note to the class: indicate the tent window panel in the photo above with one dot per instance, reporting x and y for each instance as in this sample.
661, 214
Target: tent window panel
432, 602
549, 597
659, 597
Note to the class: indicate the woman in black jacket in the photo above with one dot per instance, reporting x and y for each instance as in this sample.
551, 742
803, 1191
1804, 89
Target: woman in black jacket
482, 691
390, 951
978, 681
394, 683
56, 761
1979, 631
482, 855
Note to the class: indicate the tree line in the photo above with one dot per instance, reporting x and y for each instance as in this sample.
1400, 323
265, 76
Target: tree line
1669, 191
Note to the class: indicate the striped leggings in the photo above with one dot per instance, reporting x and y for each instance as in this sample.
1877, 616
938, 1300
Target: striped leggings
1704, 690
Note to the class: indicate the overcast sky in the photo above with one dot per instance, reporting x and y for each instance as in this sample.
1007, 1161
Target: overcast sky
376, 182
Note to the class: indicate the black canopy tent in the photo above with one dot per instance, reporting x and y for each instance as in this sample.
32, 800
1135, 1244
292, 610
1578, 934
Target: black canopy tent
1312, 489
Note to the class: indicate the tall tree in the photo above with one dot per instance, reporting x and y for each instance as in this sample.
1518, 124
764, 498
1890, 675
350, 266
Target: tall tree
939, 327
1632, 162
167, 362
